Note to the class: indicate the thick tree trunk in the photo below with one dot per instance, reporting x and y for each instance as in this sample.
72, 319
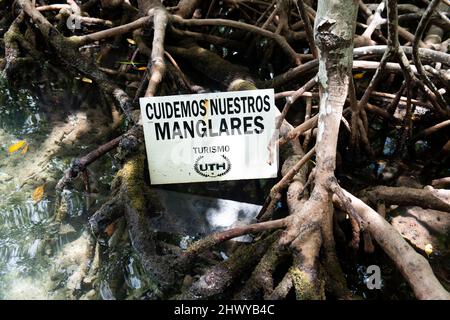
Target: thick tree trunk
333, 31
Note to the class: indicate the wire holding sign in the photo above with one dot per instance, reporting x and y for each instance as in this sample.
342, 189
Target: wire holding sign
209, 137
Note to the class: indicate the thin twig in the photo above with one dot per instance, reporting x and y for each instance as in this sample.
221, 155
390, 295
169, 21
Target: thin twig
240, 25
275, 194
418, 36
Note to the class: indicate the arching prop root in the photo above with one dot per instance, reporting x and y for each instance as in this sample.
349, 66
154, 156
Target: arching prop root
133, 200
127, 141
309, 227
300, 258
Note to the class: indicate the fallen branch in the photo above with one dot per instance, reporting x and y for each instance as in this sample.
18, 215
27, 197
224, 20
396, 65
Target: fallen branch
412, 265
218, 237
112, 32
428, 198
80, 164
275, 192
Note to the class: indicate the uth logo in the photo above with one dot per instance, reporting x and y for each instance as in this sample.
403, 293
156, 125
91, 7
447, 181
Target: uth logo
212, 165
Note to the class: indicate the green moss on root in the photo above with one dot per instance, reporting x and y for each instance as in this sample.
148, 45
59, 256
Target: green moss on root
131, 177
304, 289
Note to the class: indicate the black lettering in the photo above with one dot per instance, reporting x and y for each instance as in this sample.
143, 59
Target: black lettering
188, 128
168, 110
266, 103
229, 106
235, 123
203, 110
223, 127
259, 124
186, 108
177, 131
195, 108
247, 125
147, 107
259, 104
176, 109
215, 105
200, 128
251, 104
237, 105
162, 133
223, 107
157, 110
220, 166
210, 127
244, 102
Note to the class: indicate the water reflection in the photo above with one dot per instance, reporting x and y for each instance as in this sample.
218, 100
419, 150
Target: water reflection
40, 258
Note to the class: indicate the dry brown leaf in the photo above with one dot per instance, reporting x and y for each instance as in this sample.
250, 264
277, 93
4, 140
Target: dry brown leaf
429, 249
109, 230
87, 80
38, 194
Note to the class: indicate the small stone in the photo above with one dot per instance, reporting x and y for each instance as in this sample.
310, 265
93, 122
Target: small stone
187, 281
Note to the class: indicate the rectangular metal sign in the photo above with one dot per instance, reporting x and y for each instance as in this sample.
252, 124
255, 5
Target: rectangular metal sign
210, 137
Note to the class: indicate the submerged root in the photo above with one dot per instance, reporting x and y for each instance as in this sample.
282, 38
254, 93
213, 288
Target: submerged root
300, 259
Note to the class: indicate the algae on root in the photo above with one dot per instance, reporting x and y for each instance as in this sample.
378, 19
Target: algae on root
304, 289
131, 180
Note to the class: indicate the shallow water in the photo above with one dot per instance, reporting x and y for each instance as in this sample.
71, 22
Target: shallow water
41, 259
35, 262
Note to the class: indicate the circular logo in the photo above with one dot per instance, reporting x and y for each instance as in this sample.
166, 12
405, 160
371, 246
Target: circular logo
212, 166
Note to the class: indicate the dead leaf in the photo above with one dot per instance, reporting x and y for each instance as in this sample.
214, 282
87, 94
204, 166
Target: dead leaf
87, 80
109, 230
358, 76
17, 146
38, 194
429, 249
131, 41
141, 68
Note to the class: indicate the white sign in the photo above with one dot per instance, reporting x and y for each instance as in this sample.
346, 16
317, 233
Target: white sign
210, 137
